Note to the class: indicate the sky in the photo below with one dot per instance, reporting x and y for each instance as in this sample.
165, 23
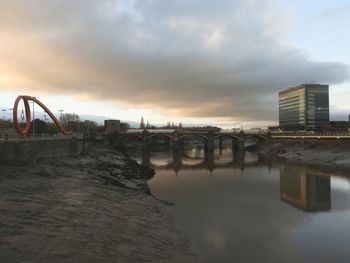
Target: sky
195, 61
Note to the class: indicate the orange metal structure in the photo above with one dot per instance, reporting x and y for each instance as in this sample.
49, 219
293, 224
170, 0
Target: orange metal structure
24, 131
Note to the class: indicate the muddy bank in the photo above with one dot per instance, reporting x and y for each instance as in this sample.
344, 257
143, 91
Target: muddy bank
93, 208
331, 154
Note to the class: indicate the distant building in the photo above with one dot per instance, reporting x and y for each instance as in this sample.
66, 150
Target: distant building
305, 107
339, 125
112, 126
274, 128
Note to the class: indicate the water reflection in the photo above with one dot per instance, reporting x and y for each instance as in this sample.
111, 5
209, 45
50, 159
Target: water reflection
305, 191
236, 206
196, 158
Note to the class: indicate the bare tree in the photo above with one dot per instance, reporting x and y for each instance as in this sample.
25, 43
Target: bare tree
142, 123
69, 117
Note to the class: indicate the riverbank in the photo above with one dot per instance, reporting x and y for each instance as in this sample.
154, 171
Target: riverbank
331, 154
95, 207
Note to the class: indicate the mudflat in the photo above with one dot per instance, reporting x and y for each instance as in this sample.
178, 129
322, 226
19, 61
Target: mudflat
96, 207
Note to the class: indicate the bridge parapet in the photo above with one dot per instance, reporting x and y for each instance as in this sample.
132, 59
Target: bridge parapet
209, 136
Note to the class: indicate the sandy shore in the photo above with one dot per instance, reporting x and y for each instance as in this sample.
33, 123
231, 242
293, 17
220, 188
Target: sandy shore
92, 208
317, 153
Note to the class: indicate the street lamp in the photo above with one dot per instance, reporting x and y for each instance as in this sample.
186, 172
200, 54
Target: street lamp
61, 116
3, 114
45, 117
33, 118
11, 118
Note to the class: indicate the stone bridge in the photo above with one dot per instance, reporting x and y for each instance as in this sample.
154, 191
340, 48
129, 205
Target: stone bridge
177, 137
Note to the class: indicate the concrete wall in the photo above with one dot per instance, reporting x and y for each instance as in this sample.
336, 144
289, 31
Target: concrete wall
22, 152
313, 141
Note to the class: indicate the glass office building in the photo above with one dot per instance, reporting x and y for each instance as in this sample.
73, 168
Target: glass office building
305, 107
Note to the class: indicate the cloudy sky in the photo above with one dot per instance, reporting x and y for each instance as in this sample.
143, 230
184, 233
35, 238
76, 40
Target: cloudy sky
200, 61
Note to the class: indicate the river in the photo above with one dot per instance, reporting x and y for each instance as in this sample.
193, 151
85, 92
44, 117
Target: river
239, 208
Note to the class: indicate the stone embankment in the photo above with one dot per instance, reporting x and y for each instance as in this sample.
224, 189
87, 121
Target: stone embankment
95, 207
29, 151
326, 153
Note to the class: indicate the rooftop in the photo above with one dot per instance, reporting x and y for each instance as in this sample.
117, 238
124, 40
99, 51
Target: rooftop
302, 86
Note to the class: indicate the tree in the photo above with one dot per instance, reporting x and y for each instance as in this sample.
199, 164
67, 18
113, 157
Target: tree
142, 123
148, 125
124, 126
39, 127
69, 117
88, 127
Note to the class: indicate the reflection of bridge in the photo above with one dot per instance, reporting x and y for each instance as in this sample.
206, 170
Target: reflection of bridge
208, 162
177, 137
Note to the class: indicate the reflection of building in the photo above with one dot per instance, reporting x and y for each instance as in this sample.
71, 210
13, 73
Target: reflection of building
112, 126
307, 192
304, 107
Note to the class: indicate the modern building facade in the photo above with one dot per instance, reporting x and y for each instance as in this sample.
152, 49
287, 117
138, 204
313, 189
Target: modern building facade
305, 107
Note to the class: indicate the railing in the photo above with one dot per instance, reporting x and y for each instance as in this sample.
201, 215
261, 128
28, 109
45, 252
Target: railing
56, 136
308, 134
180, 131
311, 135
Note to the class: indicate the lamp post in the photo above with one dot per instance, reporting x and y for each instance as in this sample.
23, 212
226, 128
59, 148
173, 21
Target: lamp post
33, 119
11, 125
45, 117
61, 116
3, 114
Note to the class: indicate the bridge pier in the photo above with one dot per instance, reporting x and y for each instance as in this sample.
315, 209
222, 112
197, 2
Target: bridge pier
145, 145
240, 142
209, 160
176, 145
181, 143
234, 145
146, 158
177, 160
239, 159
145, 149
209, 145
220, 144
209, 142
240, 145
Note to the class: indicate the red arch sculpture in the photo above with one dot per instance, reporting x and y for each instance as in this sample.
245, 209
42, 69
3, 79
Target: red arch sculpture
26, 100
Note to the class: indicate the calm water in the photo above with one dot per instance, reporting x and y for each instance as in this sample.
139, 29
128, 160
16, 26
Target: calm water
237, 208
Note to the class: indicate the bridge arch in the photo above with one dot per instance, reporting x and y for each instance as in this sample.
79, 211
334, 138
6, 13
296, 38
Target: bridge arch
159, 135
186, 135
130, 135
226, 136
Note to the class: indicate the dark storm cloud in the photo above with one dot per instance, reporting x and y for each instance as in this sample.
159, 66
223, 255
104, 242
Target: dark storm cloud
187, 58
